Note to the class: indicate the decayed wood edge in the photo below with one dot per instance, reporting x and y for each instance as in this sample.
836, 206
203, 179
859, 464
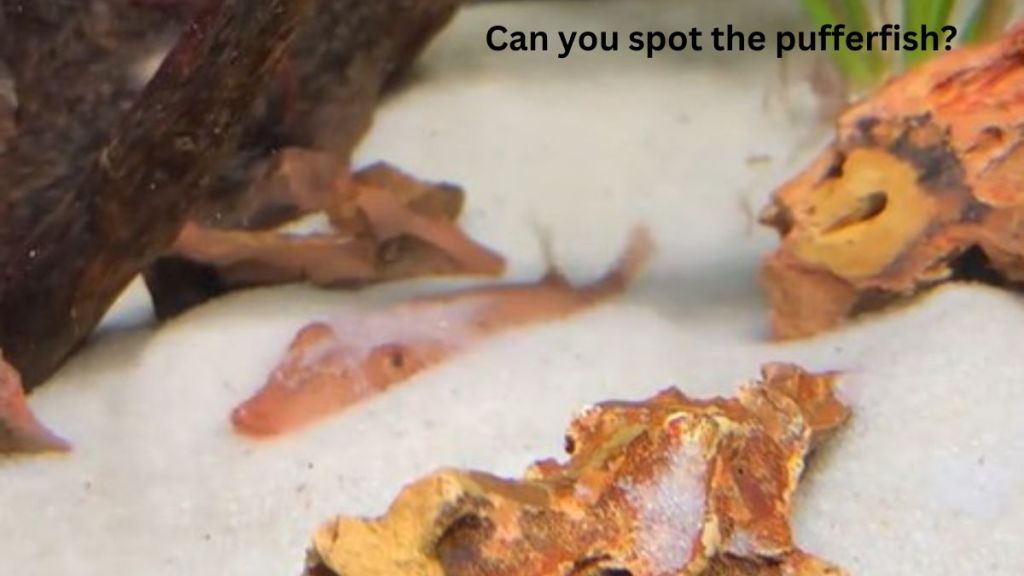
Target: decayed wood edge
63, 264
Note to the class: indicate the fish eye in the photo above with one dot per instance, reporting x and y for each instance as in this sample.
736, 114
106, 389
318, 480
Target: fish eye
392, 357
396, 358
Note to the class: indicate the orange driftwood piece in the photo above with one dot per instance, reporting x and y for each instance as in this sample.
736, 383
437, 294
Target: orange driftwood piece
20, 431
385, 225
924, 183
332, 365
672, 486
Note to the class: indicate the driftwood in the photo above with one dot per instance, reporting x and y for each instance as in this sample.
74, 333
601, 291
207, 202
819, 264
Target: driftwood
385, 225
323, 95
98, 179
921, 186
82, 208
322, 100
668, 486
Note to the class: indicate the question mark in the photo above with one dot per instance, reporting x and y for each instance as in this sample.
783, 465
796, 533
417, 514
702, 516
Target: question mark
950, 34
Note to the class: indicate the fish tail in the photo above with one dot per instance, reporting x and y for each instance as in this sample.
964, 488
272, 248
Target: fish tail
630, 264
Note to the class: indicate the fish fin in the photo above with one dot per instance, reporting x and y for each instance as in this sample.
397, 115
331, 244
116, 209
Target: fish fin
552, 274
633, 260
20, 431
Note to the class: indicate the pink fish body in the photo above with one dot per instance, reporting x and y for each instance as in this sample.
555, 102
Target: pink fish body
333, 364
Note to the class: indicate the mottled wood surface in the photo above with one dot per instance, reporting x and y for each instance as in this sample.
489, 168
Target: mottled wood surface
84, 208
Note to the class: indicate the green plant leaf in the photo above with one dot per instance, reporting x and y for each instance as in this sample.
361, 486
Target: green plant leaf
988, 19
932, 14
857, 15
861, 69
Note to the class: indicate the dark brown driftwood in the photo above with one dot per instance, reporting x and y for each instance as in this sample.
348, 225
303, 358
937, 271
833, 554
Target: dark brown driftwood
323, 95
80, 213
323, 98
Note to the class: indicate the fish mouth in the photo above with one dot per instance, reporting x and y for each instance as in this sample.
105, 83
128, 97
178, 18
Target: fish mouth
254, 422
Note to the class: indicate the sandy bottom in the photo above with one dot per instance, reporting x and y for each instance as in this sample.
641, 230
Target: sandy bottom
927, 479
